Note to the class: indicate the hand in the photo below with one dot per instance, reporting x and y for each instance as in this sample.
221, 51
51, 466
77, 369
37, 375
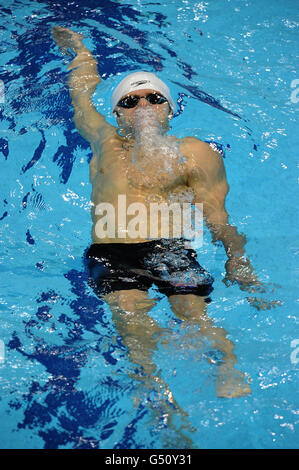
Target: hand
240, 270
263, 304
66, 38
232, 383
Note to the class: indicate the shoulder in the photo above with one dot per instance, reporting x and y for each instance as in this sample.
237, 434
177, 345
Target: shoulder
200, 148
201, 155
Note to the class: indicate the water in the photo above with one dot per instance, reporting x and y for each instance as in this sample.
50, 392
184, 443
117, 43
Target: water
153, 150
65, 372
149, 140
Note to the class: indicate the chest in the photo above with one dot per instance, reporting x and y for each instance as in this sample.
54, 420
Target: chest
160, 170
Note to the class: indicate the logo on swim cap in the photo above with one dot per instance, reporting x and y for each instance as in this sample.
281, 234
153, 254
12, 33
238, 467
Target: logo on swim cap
141, 82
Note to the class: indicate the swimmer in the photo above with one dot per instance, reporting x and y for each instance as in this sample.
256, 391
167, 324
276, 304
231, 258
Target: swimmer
137, 159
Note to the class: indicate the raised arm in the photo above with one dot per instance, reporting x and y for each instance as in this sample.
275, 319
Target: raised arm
83, 80
208, 180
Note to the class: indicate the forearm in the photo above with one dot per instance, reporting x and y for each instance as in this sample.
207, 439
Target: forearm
217, 220
231, 239
84, 76
238, 267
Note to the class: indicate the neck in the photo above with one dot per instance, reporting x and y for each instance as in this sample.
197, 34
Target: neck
151, 147
147, 126
147, 134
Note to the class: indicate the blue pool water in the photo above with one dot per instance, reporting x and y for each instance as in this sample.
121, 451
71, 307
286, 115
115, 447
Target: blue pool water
64, 371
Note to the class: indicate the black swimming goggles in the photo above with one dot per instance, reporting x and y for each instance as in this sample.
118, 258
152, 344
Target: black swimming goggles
132, 101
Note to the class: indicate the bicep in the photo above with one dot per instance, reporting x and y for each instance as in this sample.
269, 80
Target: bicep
209, 184
214, 209
91, 124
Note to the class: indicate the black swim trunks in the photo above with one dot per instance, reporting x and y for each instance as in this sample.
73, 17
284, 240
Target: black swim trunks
164, 263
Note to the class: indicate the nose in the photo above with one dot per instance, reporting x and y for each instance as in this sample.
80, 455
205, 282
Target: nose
143, 102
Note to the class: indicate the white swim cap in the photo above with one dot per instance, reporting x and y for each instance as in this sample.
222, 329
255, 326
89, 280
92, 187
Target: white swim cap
139, 81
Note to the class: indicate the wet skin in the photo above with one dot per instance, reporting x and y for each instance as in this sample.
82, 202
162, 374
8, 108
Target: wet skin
201, 175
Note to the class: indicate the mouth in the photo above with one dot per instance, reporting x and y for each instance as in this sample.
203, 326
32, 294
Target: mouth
145, 120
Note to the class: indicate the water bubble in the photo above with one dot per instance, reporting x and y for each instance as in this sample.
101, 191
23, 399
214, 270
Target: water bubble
156, 157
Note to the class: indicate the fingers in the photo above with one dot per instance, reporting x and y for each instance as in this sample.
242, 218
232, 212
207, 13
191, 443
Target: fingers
249, 285
252, 288
262, 304
60, 30
228, 282
57, 30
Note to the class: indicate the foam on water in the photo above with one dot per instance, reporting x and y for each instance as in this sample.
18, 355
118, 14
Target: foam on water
151, 146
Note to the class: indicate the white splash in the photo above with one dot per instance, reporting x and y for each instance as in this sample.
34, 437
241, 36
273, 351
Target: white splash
152, 148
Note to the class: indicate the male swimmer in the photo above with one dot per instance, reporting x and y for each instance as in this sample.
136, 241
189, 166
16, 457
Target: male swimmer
138, 160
